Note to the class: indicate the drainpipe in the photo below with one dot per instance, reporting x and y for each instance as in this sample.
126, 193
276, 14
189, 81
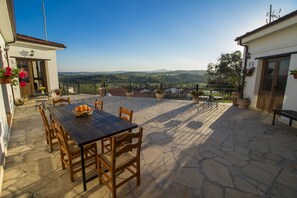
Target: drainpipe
245, 64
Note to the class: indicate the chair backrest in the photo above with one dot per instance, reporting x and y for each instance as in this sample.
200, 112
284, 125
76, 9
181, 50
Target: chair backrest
125, 114
44, 118
61, 101
62, 137
128, 142
99, 104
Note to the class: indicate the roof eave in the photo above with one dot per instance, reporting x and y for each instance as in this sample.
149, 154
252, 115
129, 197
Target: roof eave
282, 19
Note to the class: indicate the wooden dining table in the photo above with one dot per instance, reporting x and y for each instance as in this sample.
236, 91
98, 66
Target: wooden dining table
88, 129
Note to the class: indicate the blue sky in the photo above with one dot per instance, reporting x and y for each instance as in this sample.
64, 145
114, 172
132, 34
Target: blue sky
143, 35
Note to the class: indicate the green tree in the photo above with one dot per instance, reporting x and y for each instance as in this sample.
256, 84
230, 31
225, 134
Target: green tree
227, 70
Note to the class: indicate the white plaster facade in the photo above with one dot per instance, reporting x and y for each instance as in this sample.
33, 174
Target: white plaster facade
43, 50
272, 40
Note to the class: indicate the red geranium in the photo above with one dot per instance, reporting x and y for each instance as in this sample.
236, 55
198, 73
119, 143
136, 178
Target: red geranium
8, 73
23, 74
23, 84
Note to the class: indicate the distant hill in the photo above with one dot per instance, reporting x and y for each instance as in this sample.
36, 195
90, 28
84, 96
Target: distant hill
157, 76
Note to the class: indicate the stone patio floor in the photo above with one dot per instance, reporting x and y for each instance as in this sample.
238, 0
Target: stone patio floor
187, 151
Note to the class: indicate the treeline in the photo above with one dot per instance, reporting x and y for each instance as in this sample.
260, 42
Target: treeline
166, 77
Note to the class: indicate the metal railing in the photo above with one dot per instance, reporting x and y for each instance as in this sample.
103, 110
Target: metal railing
177, 91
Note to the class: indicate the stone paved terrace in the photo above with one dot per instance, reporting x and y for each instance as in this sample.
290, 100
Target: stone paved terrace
187, 152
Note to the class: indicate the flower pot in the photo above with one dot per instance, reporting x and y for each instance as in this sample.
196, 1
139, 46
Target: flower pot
102, 91
195, 98
243, 103
129, 94
295, 76
5, 80
235, 96
42, 92
249, 73
160, 96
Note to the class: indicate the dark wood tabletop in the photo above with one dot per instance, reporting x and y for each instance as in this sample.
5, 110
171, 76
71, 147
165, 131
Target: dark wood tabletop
84, 130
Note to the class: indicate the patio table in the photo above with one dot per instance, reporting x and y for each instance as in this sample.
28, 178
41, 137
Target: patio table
88, 129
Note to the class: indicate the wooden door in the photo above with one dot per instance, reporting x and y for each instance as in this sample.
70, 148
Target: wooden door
26, 66
273, 83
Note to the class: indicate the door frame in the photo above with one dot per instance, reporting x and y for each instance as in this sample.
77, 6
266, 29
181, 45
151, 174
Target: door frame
273, 83
31, 73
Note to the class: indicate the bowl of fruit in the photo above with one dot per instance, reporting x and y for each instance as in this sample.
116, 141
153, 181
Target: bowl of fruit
83, 110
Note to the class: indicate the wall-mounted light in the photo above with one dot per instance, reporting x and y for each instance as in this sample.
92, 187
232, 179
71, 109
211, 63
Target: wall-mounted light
24, 53
6, 48
27, 53
32, 53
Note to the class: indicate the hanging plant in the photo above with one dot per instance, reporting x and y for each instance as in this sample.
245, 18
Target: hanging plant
249, 72
294, 73
9, 75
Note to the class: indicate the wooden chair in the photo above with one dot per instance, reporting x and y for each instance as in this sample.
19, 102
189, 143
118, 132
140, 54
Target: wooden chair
99, 104
61, 101
49, 131
124, 114
70, 153
124, 155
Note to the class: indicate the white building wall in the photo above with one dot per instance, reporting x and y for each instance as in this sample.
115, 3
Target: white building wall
4, 130
40, 53
290, 100
280, 42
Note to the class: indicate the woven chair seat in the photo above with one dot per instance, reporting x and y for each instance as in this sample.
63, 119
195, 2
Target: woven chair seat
121, 160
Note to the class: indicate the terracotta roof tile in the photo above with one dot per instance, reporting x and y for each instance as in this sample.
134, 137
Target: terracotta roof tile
21, 37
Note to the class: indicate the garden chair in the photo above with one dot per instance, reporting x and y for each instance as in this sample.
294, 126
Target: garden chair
124, 156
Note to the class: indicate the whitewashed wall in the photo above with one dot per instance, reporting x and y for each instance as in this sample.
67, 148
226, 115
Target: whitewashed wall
3, 121
290, 100
39, 53
281, 42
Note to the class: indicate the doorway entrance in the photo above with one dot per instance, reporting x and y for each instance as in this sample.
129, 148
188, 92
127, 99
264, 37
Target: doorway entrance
36, 76
273, 83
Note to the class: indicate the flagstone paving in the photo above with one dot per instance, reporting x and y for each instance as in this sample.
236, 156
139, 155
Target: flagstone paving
187, 151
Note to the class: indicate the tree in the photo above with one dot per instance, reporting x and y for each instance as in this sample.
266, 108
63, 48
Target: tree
227, 71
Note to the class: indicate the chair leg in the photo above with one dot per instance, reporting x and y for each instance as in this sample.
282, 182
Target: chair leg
51, 146
113, 184
138, 173
99, 173
62, 159
102, 146
71, 171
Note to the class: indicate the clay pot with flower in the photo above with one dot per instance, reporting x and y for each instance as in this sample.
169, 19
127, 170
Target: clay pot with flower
9, 75
294, 73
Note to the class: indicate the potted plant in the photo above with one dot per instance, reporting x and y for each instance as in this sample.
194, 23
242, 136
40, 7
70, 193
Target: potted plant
294, 73
250, 71
9, 75
196, 94
129, 92
243, 102
102, 90
42, 89
160, 94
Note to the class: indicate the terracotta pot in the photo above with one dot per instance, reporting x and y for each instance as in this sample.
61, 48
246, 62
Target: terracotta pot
129, 94
235, 95
160, 96
295, 76
243, 103
101, 91
249, 72
5, 80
